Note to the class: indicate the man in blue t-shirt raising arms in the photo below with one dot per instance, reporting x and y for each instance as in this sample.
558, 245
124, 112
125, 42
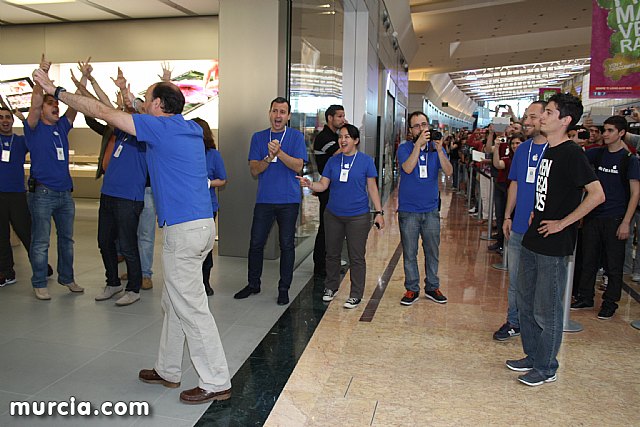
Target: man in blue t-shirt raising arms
419, 207
50, 187
276, 156
178, 171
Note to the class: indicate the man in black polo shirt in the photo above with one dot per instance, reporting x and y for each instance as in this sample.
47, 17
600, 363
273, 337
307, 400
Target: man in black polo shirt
324, 146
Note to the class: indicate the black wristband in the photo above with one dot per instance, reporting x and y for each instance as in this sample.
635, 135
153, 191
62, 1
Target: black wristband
59, 90
381, 213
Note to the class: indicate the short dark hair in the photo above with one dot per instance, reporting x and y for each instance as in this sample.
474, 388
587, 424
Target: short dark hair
415, 114
618, 121
332, 110
171, 97
568, 106
353, 131
5, 108
46, 96
207, 135
280, 100
541, 102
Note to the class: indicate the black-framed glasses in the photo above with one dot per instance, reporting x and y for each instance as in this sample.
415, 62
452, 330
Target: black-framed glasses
423, 125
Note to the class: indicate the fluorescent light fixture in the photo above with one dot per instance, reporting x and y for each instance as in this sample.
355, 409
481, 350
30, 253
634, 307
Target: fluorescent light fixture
29, 2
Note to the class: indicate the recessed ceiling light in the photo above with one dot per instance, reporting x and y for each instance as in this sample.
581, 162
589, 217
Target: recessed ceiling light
24, 2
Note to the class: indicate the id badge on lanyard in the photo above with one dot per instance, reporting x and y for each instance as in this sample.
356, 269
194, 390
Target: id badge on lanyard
118, 151
60, 152
6, 155
531, 174
423, 168
344, 175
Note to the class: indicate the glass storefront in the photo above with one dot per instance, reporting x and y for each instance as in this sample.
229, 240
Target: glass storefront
315, 64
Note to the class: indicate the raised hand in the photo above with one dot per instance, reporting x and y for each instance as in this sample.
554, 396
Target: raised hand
85, 68
41, 78
44, 64
18, 114
120, 81
166, 72
304, 182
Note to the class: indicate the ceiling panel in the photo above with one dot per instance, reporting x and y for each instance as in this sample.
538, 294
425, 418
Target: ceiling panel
201, 7
15, 15
73, 11
140, 8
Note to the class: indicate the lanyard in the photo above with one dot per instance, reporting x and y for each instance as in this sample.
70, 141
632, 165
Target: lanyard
350, 164
56, 133
10, 142
424, 153
541, 154
281, 139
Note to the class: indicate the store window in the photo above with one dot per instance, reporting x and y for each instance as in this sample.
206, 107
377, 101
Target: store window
315, 64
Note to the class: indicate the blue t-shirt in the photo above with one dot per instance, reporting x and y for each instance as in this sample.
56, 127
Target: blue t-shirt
615, 204
127, 173
12, 172
43, 143
349, 198
177, 166
215, 170
526, 195
417, 194
278, 184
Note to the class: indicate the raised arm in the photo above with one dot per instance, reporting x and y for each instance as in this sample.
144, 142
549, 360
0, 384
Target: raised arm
87, 106
37, 97
86, 69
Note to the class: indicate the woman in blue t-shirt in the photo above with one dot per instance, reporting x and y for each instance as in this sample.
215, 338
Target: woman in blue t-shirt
351, 177
217, 177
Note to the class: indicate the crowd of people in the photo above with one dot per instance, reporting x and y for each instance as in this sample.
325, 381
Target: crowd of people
157, 165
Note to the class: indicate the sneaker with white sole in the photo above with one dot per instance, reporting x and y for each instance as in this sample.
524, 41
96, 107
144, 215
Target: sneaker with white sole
352, 302
73, 287
328, 295
520, 365
635, 277
109, 292
534, 378
436, 295
128, 298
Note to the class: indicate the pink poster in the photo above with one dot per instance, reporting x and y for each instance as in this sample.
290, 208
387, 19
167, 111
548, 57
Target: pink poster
615, 49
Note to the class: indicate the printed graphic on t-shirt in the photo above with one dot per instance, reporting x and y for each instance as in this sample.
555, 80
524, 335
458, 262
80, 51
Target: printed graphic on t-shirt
613, 170
542, 183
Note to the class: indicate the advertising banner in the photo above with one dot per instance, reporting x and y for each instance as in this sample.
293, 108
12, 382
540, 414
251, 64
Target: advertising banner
615, 49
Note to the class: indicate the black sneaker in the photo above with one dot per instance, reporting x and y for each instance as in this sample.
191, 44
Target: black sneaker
8, 278
246, 292
208, 289
436, 296
329, 295
505, 332
519, 365
352, 302
534, 378
495, 247
606, 312
49, 271
283, 297
581, 305
409, 297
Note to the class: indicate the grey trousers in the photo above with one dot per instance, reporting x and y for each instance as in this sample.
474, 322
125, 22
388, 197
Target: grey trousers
186, 308
356, 230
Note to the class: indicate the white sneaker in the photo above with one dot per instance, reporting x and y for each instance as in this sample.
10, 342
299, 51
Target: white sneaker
635, 277
109, 291
128, 298
328, 295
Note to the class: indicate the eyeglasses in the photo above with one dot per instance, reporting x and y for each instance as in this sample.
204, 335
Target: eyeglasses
423, 125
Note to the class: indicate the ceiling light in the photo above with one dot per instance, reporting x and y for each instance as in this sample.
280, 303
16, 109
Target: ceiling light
29, 2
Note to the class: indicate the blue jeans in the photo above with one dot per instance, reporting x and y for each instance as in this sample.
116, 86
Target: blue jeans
513, 257
118, 219
541, 284
147, 233
264, 214
44, 204
427, 226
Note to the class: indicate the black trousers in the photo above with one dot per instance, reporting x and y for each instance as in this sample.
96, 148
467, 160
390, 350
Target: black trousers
207, 265
319, 249
599, 238
500, 203
15, 212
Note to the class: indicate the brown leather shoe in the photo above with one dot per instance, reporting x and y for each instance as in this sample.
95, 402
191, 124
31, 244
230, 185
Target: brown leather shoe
198, 395
147, 283
150, 376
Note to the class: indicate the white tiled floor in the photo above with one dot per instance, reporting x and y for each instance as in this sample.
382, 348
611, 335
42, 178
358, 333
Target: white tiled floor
75, 346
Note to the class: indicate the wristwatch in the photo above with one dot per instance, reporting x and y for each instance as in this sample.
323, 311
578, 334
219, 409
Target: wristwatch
58, 91
381, 213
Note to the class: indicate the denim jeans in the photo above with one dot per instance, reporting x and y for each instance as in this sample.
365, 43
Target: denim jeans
631, 265
118, 220
541, 284
147, 233
427, 226
264, 214
514, 246
44, 204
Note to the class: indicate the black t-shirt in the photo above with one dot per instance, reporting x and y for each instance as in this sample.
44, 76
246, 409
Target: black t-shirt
325, 144
563, 172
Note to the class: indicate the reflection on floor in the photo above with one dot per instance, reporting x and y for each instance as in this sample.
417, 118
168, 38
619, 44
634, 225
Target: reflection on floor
431, 364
